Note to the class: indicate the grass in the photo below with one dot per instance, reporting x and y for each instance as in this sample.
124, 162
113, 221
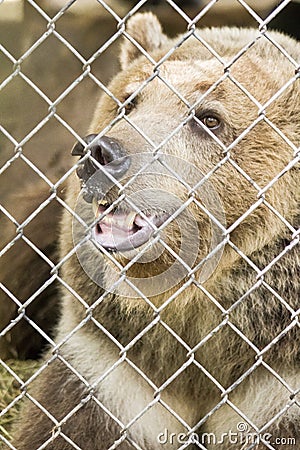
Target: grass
10, 389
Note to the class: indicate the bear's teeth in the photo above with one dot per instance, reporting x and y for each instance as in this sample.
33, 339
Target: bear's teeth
96, 204
102, 202
120, 221
95, 207
130, 218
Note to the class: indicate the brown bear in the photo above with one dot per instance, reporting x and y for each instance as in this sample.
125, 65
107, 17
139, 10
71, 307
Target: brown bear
179, 264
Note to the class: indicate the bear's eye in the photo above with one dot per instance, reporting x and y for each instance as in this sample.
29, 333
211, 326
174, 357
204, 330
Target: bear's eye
211, 122
130, 105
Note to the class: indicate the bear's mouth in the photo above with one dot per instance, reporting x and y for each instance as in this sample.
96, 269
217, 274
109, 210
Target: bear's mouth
123, 231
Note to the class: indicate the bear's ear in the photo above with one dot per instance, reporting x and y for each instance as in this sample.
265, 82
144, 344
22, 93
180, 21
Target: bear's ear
146, 30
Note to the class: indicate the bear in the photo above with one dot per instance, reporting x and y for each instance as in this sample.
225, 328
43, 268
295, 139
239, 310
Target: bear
179, 265
22, 341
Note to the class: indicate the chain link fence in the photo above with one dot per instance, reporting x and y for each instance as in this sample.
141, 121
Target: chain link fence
180, 303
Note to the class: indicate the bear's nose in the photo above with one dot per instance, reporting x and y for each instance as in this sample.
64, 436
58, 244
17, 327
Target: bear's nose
110, 154
107, 151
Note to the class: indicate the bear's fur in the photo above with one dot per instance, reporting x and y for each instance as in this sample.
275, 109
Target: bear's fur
22, 341
216, 353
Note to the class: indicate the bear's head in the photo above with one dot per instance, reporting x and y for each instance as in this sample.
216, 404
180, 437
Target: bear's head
191, 160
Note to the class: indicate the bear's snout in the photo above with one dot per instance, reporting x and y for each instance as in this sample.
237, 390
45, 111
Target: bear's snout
104, 151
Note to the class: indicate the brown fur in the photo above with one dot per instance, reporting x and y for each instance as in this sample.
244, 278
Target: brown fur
24, 272
252, 323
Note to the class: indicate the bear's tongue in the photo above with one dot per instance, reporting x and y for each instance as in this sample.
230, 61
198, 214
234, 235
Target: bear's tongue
119, 231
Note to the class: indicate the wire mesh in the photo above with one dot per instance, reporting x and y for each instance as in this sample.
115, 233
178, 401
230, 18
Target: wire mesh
153, 411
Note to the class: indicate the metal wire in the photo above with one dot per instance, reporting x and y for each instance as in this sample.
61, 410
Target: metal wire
192, 188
